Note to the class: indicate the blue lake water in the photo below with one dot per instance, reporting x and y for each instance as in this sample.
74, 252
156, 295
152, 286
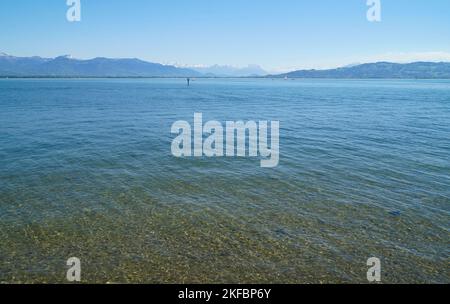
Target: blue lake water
86, 170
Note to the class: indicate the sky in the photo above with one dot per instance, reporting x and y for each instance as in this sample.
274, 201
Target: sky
279, 35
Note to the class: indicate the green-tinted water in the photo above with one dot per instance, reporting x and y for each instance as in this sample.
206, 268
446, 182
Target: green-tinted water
86, 171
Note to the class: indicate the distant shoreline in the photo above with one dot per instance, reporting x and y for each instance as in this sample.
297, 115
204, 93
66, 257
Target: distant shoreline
220, 77
68, 67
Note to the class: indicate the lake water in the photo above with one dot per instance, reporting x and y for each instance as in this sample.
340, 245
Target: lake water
86, 170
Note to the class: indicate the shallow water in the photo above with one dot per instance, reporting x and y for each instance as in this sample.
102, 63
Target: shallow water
86, 170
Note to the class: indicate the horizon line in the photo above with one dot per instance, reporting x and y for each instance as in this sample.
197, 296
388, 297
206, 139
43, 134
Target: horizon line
193, 67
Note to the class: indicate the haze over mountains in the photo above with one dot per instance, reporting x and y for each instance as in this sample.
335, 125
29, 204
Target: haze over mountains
66, 66
231, 71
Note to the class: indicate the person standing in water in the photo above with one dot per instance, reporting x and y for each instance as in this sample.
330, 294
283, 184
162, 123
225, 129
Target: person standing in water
188, 81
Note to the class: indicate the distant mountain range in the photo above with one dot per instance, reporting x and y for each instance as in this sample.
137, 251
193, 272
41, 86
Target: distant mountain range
231, 71
66, 66
422, 70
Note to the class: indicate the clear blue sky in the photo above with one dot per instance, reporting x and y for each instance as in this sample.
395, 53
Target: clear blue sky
280, 34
